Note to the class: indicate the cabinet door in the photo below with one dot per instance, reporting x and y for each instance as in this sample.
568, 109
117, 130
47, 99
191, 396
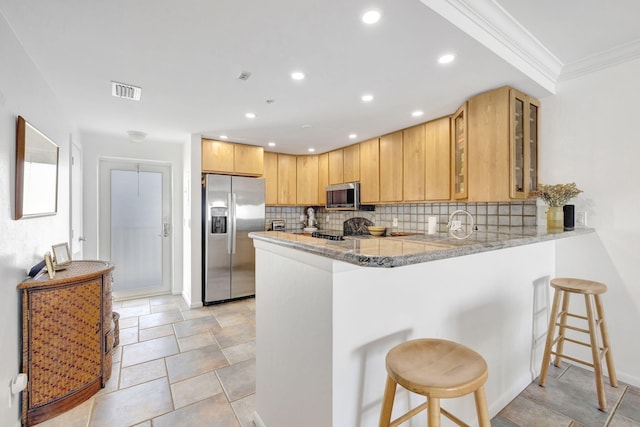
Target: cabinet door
286, 179
65, 340
217, 156
270, 178
323, 178
459, 153
370, 171
413, 160
336, 167
391, 167
532, 152
351, 158
248, 160
307, 180
438, 159
524, 111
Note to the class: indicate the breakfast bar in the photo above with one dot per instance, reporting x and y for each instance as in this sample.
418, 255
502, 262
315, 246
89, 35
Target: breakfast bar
327, 312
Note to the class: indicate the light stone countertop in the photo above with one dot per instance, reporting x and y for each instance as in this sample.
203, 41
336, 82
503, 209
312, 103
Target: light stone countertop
413, 249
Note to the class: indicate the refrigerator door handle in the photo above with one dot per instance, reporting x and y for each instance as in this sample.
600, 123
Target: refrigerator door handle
233, 237
230, 229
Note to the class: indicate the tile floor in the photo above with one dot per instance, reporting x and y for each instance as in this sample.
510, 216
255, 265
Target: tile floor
177, 367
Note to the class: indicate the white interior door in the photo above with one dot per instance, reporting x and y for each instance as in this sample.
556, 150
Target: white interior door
135, 226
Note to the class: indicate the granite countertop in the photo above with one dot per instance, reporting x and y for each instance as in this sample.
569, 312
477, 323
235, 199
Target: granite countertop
412, 249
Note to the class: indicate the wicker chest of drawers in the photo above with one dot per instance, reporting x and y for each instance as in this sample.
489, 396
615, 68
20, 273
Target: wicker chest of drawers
67, 338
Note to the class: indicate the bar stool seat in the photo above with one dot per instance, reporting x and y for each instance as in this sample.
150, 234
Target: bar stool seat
436, 369
595, 318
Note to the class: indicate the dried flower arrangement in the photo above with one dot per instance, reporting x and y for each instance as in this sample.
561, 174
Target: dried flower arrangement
558, 194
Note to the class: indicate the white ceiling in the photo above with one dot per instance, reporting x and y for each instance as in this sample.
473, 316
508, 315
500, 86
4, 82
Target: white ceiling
187, 56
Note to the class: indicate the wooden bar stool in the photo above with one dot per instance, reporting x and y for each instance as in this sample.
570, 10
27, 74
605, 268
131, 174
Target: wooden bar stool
591, 290
437, 369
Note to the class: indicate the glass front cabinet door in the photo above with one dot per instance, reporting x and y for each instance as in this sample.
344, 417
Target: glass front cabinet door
524, 145
459, 167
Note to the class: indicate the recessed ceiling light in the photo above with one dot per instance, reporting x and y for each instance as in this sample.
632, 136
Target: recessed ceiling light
417, 113
307, 126
445, 59
223, 137
371, 16
136, 135
250, 115
297, 75
311, 150
271, 144
367, 98
352, 136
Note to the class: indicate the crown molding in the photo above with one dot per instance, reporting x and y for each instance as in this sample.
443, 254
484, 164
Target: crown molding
601, 60
491, 25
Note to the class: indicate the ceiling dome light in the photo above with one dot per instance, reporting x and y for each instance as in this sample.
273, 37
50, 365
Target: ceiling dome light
371, 17
136, 135
311, 150
271, 144
445, 59
223, 137
250, 115
297, 75
367, 98
353, 136
417, 113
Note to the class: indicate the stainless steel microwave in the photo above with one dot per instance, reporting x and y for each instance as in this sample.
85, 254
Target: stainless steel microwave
343, 197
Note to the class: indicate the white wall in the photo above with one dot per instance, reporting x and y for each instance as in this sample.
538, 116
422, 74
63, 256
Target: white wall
192, 228
96, 146
24, 92
589, 136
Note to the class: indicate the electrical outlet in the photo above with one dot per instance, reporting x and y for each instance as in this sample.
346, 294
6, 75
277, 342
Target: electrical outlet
395, 222
581, 219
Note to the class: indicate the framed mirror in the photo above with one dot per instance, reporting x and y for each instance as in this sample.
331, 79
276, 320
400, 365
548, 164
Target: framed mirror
36, 172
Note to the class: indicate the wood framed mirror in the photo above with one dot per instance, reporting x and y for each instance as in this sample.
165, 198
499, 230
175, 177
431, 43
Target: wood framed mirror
36, 172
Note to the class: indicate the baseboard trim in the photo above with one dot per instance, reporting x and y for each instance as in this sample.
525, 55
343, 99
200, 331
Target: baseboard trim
257, 420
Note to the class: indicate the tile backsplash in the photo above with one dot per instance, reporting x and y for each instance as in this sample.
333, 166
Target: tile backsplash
413, 217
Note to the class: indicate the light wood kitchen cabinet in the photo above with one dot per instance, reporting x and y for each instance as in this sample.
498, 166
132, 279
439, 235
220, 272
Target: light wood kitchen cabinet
391, 167
438, 159
336, 167
323, 178
287, 179
502, 145
351, 163
370, 171
413, 160
459, 154
67, 338
307, 180
229, 158
270, 178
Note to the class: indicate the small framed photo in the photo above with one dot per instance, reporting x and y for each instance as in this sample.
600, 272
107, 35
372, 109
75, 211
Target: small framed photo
49, 263
61, 255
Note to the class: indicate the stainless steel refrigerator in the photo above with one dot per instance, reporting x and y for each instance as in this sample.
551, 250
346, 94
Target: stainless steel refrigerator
232, 207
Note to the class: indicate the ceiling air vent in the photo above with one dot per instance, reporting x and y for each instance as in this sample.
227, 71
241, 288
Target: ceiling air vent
244, 75
122, 90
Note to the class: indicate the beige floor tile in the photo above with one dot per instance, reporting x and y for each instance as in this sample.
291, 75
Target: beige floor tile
149, 350
155, 332
244, 409
128, 335
195, 313
212, 412
166, 299
234, 335
114, 381
524, 412
195, 326
132, 405
126, 312
144, 424
128, 322
76, 417
238, 380
194, 362
116, 354
157, 319
196, 341
240, 352
630, 405
231, 319
135, 302
195, 389
143, 372
165, 307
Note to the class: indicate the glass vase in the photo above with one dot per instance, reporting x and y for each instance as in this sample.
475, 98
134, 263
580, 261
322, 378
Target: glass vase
555, 219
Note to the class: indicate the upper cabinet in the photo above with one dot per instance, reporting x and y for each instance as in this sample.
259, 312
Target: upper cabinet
502, 144
459, 152
233, 159
323, 178
413, 160
370, 171
336, 167
287, 179
391, 167
437, 135
351, 163
307, 180
270, 178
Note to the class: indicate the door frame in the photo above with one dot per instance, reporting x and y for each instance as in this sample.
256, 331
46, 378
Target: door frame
105, 165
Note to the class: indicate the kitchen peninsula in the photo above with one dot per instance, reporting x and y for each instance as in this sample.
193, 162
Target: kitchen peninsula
327, 312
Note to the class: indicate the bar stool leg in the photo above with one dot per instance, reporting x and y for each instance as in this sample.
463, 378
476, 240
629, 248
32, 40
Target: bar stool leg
595, 352
546, 359
562, 331
613, 380
481, 407
387, 402
433, 405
